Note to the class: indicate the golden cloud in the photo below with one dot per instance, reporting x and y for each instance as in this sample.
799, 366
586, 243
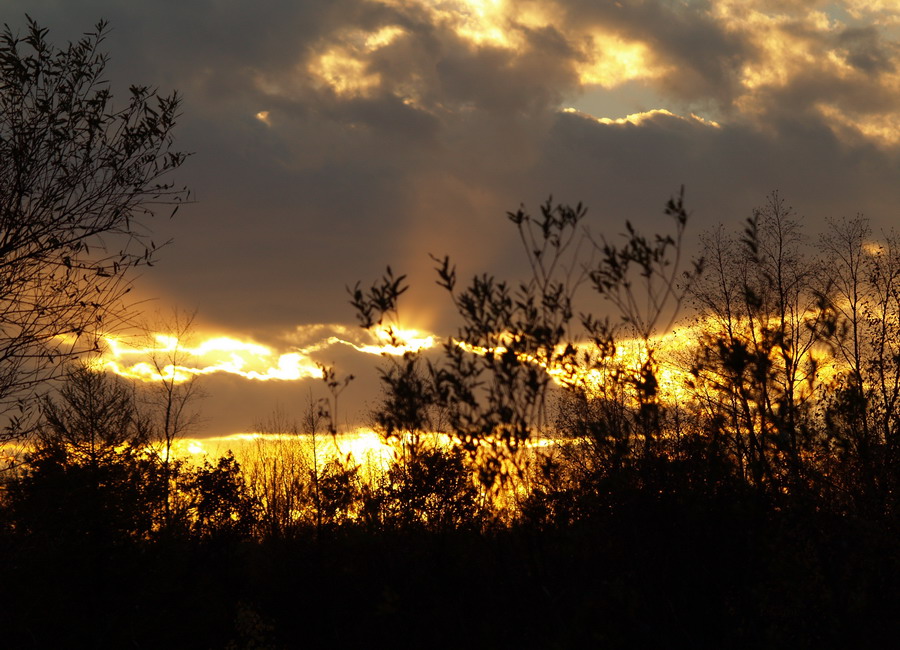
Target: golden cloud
610, 60
166, 358
883, 128
636, 119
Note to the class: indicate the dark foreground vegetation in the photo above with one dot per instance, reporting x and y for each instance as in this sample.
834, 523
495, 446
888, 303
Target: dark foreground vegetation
752, 503
664, 549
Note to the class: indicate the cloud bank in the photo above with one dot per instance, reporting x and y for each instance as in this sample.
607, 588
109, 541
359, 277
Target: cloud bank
333, 138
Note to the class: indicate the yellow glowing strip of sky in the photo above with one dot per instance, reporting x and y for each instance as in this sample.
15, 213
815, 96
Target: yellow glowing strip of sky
629, 356
167, 359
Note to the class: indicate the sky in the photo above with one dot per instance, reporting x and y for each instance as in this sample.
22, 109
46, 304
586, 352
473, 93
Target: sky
335, 137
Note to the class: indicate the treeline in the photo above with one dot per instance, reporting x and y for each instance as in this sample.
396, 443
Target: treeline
756, 504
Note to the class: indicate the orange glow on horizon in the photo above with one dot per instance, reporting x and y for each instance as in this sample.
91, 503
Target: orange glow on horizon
672, 375
166, 358
396, 341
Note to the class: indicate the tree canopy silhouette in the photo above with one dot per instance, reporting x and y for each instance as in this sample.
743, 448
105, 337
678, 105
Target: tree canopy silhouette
78, 179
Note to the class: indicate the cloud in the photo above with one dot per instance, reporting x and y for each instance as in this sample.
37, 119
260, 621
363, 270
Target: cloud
333, 138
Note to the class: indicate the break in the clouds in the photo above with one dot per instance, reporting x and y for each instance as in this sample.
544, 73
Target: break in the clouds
334, 137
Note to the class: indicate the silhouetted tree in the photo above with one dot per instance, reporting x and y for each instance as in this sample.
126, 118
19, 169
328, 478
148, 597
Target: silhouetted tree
78, 179
643, 279
433, 490
222, 506
277, 468
90, 476
170, 399
495, 372
494, 375
335, 385
758, 509
862, 279
759, 317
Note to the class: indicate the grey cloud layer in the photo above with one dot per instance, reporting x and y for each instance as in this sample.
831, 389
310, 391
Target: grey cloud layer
447, 134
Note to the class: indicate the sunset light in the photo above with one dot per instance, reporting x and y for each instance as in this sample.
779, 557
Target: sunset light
636, 119
481, 22
612, 61
395, 341
256, 362
225, 354
450, 323
218, 354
